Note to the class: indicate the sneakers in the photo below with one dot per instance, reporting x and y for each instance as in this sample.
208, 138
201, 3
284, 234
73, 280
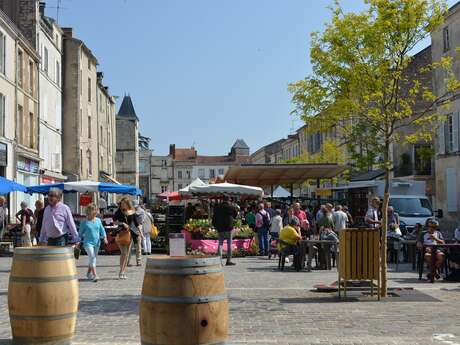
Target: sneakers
122, 276
230, 264
286, 260
95, 279
89, 276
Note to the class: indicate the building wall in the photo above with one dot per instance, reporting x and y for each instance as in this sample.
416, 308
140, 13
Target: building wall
161, 174
80, 124
50, 82
204, 172
447, 159
127, 159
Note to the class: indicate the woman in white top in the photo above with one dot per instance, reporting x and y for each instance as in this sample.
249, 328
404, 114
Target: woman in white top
276, 224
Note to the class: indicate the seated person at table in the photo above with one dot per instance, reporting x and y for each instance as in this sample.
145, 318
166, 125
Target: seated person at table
290, 236
433, 236
454, 260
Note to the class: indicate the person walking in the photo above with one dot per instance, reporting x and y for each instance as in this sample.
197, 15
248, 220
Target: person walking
147, 222
340, 219
91, 233
102, 205
372, 214
3, 217
38, 215
276, 225
302, 217
128, 232
58, 227
25, 217
223, 220
262, 227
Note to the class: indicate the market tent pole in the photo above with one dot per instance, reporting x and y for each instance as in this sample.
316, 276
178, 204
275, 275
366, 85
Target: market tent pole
318, 197
292, 193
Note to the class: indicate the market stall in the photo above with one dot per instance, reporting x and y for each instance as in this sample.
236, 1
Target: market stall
201, 236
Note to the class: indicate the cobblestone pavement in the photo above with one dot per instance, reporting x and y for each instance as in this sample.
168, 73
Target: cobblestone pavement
271, 307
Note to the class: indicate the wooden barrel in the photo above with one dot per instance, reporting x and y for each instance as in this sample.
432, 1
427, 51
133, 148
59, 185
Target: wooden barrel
183, 302
43, 295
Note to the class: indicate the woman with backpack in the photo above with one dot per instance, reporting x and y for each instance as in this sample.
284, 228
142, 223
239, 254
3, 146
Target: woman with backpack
262, 228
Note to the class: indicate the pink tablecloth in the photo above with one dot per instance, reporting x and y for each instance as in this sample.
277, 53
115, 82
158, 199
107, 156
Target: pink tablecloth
211, 246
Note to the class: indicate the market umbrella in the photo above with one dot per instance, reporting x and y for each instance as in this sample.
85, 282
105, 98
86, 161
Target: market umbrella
87, 187
170, 196
8, 186
227, 189
196, 182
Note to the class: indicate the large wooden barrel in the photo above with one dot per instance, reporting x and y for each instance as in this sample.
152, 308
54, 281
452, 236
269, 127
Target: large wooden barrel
43, 295
183, 302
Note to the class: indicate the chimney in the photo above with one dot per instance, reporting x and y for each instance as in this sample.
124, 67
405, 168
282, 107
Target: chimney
100, 76
172, 151
42, 6
68, 32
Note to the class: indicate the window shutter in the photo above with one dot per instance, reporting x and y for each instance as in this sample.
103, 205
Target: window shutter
441, 139
455, 132
451, 190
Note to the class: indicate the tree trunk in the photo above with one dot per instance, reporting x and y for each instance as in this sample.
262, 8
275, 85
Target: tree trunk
386, 199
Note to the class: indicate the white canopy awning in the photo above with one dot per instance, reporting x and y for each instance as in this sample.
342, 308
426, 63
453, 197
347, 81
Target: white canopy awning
280, 192
196, 182
229, 189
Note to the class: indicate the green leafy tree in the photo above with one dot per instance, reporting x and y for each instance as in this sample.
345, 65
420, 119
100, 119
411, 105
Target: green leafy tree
359, 81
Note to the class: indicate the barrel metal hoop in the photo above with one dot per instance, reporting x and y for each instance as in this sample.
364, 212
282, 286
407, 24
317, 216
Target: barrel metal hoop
42, 250
152, 262
184, 271
43, 317
185, 300
42, 279
42, 258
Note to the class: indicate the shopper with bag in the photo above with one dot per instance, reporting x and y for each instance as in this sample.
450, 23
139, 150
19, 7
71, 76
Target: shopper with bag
91, 233
147, 224
129, 230
25, 217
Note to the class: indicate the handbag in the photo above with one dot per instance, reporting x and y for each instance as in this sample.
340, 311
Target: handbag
76, 252
154, 232
123, 238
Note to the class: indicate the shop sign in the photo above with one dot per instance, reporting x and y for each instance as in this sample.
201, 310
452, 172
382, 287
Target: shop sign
85, 199
28, 165
48, 180
3, 154
324, 192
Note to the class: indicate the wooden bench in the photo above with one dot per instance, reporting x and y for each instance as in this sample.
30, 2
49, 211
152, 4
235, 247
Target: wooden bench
359, 258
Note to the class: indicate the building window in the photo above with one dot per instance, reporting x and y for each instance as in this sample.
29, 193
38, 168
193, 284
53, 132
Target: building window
163, 163
449, 133
164, 189
188, 174
90, 162
422, 159
102, 136
2, 52
212, 173
179, 174
58, 73
446, 39
20, 125
89, 64
221, 172
179, 186
31, 77
31, 130
45, 60
20, 68
2, 114
81, 161
89, 127
201, 173
89, 89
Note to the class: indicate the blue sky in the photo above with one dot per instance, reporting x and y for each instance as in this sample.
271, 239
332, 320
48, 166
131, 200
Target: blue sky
202, 72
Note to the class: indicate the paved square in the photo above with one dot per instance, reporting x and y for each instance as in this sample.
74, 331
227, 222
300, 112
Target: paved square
270, 307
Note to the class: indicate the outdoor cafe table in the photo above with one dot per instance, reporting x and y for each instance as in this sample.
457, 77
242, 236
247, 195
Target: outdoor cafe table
434, 247
411, 251
307, 246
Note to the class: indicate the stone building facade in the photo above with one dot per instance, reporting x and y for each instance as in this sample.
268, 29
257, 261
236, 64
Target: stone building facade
145, 163
178, 169
444, 42
50, 47
80, 123
127, 154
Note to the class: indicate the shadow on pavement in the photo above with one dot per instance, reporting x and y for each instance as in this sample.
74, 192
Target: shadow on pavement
113, 305
5, 342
